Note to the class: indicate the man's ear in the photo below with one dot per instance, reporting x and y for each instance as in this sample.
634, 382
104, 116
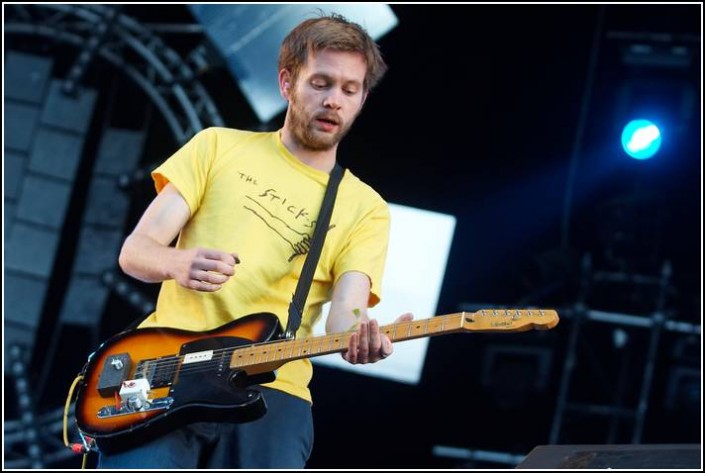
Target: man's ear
285, 84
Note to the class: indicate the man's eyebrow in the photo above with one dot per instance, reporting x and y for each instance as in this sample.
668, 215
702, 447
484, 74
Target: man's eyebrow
323, 75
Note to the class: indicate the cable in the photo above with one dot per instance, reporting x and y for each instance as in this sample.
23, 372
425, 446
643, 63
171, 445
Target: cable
66, 409
76, 447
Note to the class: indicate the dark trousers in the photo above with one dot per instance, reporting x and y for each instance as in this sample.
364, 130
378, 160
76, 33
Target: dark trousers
282, 438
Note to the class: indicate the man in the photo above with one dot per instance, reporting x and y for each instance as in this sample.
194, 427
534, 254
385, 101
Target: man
244, 206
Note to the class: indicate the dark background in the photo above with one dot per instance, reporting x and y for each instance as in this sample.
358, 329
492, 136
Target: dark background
483, 112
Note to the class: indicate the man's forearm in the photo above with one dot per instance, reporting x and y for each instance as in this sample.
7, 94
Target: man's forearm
345, 319
146, 259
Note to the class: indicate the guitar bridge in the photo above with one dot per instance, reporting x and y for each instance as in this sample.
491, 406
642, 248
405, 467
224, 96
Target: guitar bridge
125, 408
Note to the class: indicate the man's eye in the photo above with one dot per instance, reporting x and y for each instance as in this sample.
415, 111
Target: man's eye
319, 85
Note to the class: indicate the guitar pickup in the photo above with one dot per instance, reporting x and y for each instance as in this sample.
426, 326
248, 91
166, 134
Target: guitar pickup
116, 369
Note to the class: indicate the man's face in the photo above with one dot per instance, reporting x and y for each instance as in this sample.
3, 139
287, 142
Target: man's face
326, 99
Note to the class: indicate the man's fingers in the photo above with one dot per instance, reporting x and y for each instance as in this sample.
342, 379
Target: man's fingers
231, 259
351, 354
368, 344
203, 286
210, 277
217, 262
363, 346
375, 340
217, 266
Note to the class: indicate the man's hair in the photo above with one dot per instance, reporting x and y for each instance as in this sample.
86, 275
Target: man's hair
334, 32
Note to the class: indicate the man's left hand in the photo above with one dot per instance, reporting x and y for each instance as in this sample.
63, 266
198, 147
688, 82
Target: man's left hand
368, 344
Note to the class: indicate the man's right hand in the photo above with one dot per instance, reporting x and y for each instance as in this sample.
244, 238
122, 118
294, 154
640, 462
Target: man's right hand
203, 269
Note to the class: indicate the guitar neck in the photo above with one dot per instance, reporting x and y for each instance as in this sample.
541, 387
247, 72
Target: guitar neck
283, 351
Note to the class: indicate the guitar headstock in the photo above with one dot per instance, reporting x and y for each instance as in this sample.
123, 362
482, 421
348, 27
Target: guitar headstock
510, 320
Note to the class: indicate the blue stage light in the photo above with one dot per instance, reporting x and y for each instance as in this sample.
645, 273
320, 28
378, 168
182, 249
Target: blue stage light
641, 139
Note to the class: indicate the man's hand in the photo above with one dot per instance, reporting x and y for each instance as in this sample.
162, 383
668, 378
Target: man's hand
204, 269
368, 344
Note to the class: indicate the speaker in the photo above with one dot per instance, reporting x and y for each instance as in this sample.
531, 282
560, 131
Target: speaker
613, 456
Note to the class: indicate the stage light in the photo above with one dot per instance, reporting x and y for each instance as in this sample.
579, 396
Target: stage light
641, 139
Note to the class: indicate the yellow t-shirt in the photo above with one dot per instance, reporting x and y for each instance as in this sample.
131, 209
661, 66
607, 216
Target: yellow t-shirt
249, 195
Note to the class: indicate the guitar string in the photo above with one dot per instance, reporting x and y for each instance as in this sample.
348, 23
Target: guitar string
173, 361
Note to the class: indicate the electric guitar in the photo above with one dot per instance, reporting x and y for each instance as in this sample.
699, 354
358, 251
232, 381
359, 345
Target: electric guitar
145, 382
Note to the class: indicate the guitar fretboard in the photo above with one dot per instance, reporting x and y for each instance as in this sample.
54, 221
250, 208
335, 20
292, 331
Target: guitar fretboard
506, 320
288, 350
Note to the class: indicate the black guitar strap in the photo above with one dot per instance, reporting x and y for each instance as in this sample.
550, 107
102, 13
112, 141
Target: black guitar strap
298, 301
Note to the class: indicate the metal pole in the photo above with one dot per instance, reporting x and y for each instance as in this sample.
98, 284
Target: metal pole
580, 129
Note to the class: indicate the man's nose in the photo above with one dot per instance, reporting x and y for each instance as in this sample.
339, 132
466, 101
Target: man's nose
333, 99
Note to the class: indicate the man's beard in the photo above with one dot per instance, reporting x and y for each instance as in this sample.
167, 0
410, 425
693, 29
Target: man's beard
304, 134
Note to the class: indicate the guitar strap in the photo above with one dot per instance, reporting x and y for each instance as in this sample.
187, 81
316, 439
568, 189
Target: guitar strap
298, 301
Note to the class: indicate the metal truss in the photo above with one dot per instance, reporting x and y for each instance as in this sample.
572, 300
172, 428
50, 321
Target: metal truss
169, 80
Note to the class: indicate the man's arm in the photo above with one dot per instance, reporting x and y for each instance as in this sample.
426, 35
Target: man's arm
348, 311
147, 255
